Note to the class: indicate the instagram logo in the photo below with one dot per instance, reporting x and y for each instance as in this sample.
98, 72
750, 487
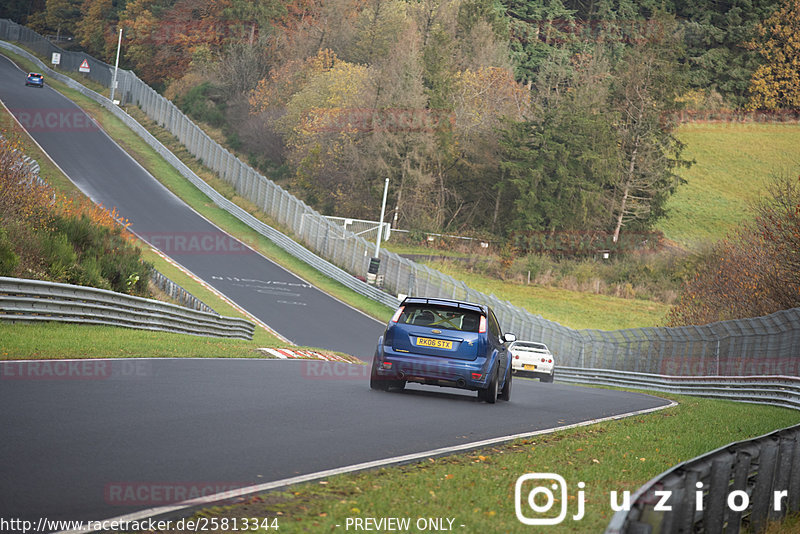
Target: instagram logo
540, 499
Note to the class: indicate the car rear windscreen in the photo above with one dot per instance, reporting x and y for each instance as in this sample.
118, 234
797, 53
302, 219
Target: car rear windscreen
441, 317
532, 346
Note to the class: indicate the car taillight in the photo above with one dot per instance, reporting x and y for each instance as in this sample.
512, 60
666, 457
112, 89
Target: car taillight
516, 357
476, 376
396, 316
482, 326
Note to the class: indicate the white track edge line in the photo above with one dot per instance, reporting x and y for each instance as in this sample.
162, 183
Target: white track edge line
268, 486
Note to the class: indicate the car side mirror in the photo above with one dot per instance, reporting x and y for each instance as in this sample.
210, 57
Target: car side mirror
509, 338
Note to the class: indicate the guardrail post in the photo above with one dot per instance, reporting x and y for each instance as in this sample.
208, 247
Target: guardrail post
741, 472
670, 521
784, 470
794, 479
716, 506
762, 492
687, 507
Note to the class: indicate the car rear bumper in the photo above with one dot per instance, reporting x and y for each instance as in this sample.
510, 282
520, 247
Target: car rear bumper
432, 370
541, 370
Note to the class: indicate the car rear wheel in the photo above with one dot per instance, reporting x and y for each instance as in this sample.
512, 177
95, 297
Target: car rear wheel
505, 393
490, 393
548, 378
375, 381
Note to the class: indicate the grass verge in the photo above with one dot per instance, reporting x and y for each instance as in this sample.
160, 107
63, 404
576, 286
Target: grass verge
58, 340
477, 489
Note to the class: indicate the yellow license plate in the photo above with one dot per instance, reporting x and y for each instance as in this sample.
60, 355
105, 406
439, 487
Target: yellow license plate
435, 343
529, 367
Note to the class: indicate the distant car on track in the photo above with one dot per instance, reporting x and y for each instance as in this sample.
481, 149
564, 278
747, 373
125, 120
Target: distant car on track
447, 343
529, 358
35, 79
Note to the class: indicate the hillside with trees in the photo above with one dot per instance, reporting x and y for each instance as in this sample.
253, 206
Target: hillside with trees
489, 118
507, 120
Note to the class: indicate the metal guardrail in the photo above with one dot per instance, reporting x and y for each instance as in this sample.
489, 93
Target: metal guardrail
162, 282
725, 489
743, 484
30, 165
781, 391
35, 300
178, 293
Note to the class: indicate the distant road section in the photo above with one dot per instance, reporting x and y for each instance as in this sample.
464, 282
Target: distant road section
109, 176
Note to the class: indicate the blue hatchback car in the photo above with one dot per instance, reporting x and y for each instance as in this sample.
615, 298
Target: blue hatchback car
444, 343
35, 79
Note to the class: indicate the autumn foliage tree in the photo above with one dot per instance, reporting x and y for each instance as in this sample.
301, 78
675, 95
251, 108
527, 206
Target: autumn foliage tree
753, 272
776, 83
58, 18
400, 92
161, 48
97, 29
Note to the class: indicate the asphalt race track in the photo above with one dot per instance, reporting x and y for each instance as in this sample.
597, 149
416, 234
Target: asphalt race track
70, 443
71, 437
109, 176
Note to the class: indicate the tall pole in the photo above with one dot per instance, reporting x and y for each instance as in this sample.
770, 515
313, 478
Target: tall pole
116, 66
375, 262
380, 221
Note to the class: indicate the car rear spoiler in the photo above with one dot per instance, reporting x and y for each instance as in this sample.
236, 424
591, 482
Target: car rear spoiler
451, 303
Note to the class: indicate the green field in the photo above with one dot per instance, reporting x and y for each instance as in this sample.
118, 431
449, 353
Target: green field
733, 162
575, 309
